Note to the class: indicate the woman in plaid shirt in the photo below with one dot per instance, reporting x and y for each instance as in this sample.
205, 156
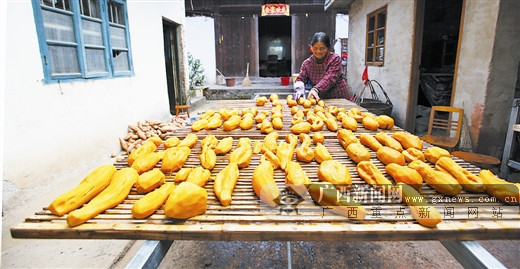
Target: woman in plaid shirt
323, 70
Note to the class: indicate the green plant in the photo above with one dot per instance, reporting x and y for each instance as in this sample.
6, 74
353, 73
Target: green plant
197, 76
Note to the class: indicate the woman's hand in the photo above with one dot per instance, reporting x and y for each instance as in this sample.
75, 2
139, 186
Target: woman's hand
314, 93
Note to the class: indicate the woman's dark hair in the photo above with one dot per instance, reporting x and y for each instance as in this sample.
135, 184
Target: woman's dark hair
321, 37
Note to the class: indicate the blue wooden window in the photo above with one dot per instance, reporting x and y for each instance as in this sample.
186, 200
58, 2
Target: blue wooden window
83, 39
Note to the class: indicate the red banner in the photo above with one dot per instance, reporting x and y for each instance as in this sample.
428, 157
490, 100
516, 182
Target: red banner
275, 9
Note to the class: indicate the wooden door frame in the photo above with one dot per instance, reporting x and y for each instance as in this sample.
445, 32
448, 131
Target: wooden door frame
179, 96
413, 92
413, 88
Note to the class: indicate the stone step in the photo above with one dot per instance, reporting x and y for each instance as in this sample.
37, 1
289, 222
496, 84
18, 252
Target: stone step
197, 102
223, 92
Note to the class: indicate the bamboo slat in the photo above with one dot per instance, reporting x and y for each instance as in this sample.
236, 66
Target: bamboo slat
467, 216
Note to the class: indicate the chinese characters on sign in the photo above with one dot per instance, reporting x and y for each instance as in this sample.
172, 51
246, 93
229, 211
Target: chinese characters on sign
275, 9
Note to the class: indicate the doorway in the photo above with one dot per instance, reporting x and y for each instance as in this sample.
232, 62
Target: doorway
274, 36
440, 37
171, 59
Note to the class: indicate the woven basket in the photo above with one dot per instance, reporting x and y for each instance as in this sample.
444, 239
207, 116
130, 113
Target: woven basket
374, 104
377, 107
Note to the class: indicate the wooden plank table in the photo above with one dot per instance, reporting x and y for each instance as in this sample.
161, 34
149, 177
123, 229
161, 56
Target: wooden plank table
467, 216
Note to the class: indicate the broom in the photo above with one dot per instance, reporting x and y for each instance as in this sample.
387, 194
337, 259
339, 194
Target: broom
246, 81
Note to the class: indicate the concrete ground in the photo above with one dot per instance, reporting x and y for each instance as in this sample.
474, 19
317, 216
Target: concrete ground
29, 253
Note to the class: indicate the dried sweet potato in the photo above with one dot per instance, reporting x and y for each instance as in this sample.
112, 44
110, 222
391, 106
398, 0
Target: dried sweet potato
408, 140
291, 102
321, 153
389, 155
346, 137
331, 123
260, 101
318, 137
292, 139
277, 123
149, 203
388, 141
373, 176
326, 195
257, 147
224, 146
334, 172
270, 142
88, 188
285, 153
370, 123
241, 156
199, 176
349, 123
357, 152
296, 178
171, 142
305, 153
209, 140
185, 201
412, 154
225, 182
432, 154
182, 174
266, 127
244, 142
174, 159
118, 189
466, 179
302, 127
505, 191
370, 141
199, 124
260, 117
146, 162
149, 180
440, 181
232, 123
355, 113
247, 121
214, 122
421, 211
271, 157
264, 184
208, 157
385, 122
405, 175
147, 147
189, 141
317, 124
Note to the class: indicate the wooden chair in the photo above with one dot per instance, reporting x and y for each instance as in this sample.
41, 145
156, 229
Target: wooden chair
444, 127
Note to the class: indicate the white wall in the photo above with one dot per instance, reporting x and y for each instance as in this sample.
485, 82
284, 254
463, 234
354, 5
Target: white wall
52, 128
200, 42
394, 76
487, 71
474, 62
341, 31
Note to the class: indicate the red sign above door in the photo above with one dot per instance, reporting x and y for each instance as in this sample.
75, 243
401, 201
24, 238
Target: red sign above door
275, 9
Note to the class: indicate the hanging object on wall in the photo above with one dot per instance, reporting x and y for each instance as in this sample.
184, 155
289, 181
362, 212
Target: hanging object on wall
275, 10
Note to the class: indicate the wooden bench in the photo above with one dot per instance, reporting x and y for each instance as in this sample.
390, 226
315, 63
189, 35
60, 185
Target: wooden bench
480, 160
180, 108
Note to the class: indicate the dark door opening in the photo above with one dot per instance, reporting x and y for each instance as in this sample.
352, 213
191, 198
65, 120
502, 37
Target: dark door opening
438, 56
274, 35
171, 56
